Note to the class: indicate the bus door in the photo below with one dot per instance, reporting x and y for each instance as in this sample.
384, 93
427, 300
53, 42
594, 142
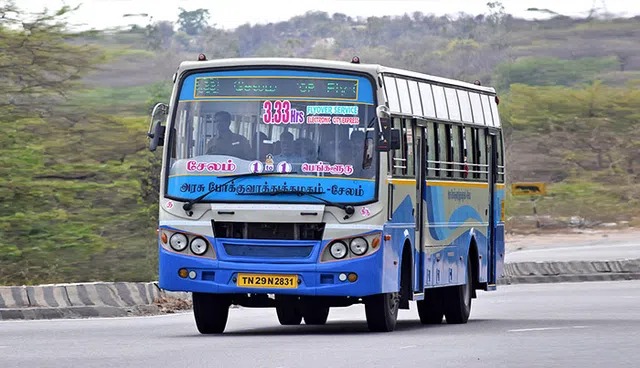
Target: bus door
420, 154
492, 147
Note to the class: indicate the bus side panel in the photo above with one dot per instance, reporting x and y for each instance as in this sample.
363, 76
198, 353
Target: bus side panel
456, 214
401, 227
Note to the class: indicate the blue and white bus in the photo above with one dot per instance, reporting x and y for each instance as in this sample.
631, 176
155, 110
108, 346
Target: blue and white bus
303, 185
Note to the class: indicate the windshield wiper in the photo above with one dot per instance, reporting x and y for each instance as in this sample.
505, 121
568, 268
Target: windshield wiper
188, 205
348, 209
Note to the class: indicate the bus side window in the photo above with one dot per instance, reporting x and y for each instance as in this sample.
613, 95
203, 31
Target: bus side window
407, 135
471, 151
501, 165
432, 150
482, 154
443, 150
397, 158
457, 149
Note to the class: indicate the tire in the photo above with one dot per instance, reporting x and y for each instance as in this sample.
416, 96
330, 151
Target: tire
382, 311
458, 300
211, 312
431, 309
316, 315
288, 311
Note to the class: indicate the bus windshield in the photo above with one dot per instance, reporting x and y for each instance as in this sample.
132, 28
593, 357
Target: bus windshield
316, 128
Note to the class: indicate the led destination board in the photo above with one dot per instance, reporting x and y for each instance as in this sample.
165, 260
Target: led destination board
276, 87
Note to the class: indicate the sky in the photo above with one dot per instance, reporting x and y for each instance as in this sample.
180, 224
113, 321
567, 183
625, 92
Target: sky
229, 14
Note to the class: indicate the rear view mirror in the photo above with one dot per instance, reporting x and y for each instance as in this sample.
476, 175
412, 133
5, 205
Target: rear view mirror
156, 129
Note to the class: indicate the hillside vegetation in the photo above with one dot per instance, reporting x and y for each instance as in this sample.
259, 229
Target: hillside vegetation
78, 185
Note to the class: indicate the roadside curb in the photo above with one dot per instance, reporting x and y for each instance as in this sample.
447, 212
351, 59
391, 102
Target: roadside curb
119, 299
78, 300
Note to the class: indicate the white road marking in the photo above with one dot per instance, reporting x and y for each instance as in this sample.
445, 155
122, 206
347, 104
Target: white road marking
408, 347
547, 328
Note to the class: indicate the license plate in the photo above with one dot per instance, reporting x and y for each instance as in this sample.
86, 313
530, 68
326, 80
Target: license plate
267, 281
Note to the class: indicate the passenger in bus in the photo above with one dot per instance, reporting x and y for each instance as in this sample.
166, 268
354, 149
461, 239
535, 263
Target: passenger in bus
226, 142
287, 149
308, 149
260, 146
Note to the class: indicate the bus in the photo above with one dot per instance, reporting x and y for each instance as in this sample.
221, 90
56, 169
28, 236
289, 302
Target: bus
303, 185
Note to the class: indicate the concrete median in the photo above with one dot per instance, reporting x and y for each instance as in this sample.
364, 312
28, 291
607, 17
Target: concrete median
97, 299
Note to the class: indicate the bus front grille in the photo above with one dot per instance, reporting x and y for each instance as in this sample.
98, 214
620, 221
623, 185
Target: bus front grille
265, 230
267, 251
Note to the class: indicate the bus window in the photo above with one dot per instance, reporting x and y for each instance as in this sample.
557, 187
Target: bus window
486, 108
470, 150
452, 104
392, 94
482, 154
441, 102
407, 133
457, 148
398, 159
476, 106
465, 106
426, 95
443, 149
501, 165
432, 150
415, 98
405, 99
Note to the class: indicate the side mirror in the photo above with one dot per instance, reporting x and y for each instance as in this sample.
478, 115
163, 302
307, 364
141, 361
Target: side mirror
157, 137
156, 129
389, 138
367, 158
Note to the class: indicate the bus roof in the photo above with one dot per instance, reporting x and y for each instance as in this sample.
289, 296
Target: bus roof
373, 69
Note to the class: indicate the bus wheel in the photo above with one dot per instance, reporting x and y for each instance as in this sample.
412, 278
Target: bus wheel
431, 309
315, 315
288, 310
382, 311
211, 312
458, 300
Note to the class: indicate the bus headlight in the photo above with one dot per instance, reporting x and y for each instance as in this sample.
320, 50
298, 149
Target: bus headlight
338, 250
178, 242
198, 246
359, 246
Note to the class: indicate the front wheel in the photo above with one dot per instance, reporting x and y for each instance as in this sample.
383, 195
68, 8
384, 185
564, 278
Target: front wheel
382, 311
211, 312
316, 315
288, 310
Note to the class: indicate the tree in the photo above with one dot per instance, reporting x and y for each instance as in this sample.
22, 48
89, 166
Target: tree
193, 22
39, 63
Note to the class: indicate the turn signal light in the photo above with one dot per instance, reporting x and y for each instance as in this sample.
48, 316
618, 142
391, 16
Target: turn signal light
163, 237
375, 242
183, 272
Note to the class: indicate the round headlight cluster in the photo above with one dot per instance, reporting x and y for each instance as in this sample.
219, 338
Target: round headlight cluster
198, 246
178, 242
358, 246
338, 250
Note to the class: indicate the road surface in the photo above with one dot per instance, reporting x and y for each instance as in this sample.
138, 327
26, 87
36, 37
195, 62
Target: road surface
592, 324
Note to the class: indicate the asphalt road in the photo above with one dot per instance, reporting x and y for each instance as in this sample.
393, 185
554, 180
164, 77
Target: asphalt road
616, 247
591, 324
